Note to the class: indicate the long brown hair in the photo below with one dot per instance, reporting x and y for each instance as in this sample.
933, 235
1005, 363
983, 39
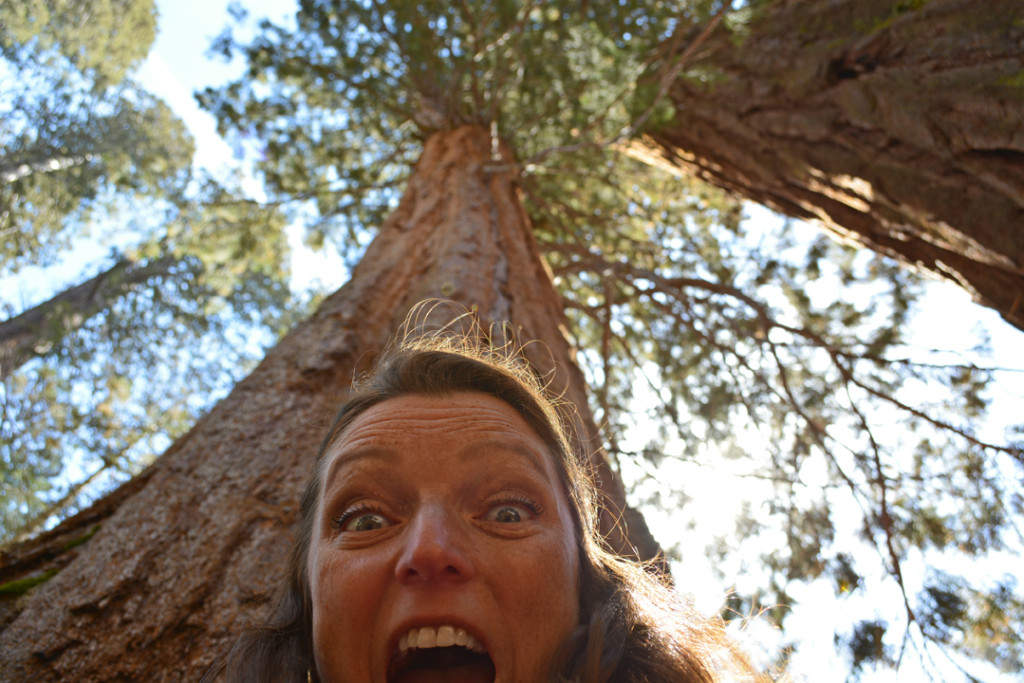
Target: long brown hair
633, 627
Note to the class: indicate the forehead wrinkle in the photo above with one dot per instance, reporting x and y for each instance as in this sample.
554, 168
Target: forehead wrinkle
471, 453
499, 428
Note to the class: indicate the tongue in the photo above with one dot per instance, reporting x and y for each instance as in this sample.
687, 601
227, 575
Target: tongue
445, 665
476, 672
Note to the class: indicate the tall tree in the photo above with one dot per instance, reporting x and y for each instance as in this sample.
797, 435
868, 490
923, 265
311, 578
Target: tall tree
195, 544
75, 133
87, 153
898, 125
67, 157
93, 379
206, 242
675, 289
26, 334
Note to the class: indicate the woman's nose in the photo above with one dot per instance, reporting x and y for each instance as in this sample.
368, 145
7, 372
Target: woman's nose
434, 549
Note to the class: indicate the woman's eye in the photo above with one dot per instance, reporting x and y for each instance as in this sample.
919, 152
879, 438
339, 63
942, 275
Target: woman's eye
363, 521
508, 513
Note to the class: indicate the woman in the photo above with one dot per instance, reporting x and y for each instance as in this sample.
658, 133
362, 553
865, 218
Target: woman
448, 534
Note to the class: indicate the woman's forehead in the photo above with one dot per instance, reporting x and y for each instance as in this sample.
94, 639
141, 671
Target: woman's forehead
470, 420
468, 411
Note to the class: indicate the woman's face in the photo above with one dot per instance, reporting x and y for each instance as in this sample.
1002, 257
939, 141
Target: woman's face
443, 547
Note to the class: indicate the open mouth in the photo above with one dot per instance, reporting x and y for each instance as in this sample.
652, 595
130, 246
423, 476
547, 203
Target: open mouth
442, 655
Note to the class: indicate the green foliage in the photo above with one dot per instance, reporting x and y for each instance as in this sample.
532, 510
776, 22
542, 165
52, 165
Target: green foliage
67, 156
115, 391
867, 645
340, 105
982, 622
75, 133
102, 38
785, 358
85, 153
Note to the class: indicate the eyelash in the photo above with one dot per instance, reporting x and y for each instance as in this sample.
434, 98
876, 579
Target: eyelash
366, 509
518, 499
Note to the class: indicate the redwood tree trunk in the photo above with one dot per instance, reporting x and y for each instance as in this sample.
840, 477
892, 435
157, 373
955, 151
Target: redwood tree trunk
899, 126
189, 551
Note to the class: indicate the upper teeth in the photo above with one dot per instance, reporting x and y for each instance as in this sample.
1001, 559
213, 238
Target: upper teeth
442, 636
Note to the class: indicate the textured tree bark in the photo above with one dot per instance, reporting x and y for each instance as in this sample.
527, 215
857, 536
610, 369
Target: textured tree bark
35, 331
189, 551
899, 126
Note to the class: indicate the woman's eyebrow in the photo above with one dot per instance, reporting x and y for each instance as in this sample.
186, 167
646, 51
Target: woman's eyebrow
356, 455
472, 451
